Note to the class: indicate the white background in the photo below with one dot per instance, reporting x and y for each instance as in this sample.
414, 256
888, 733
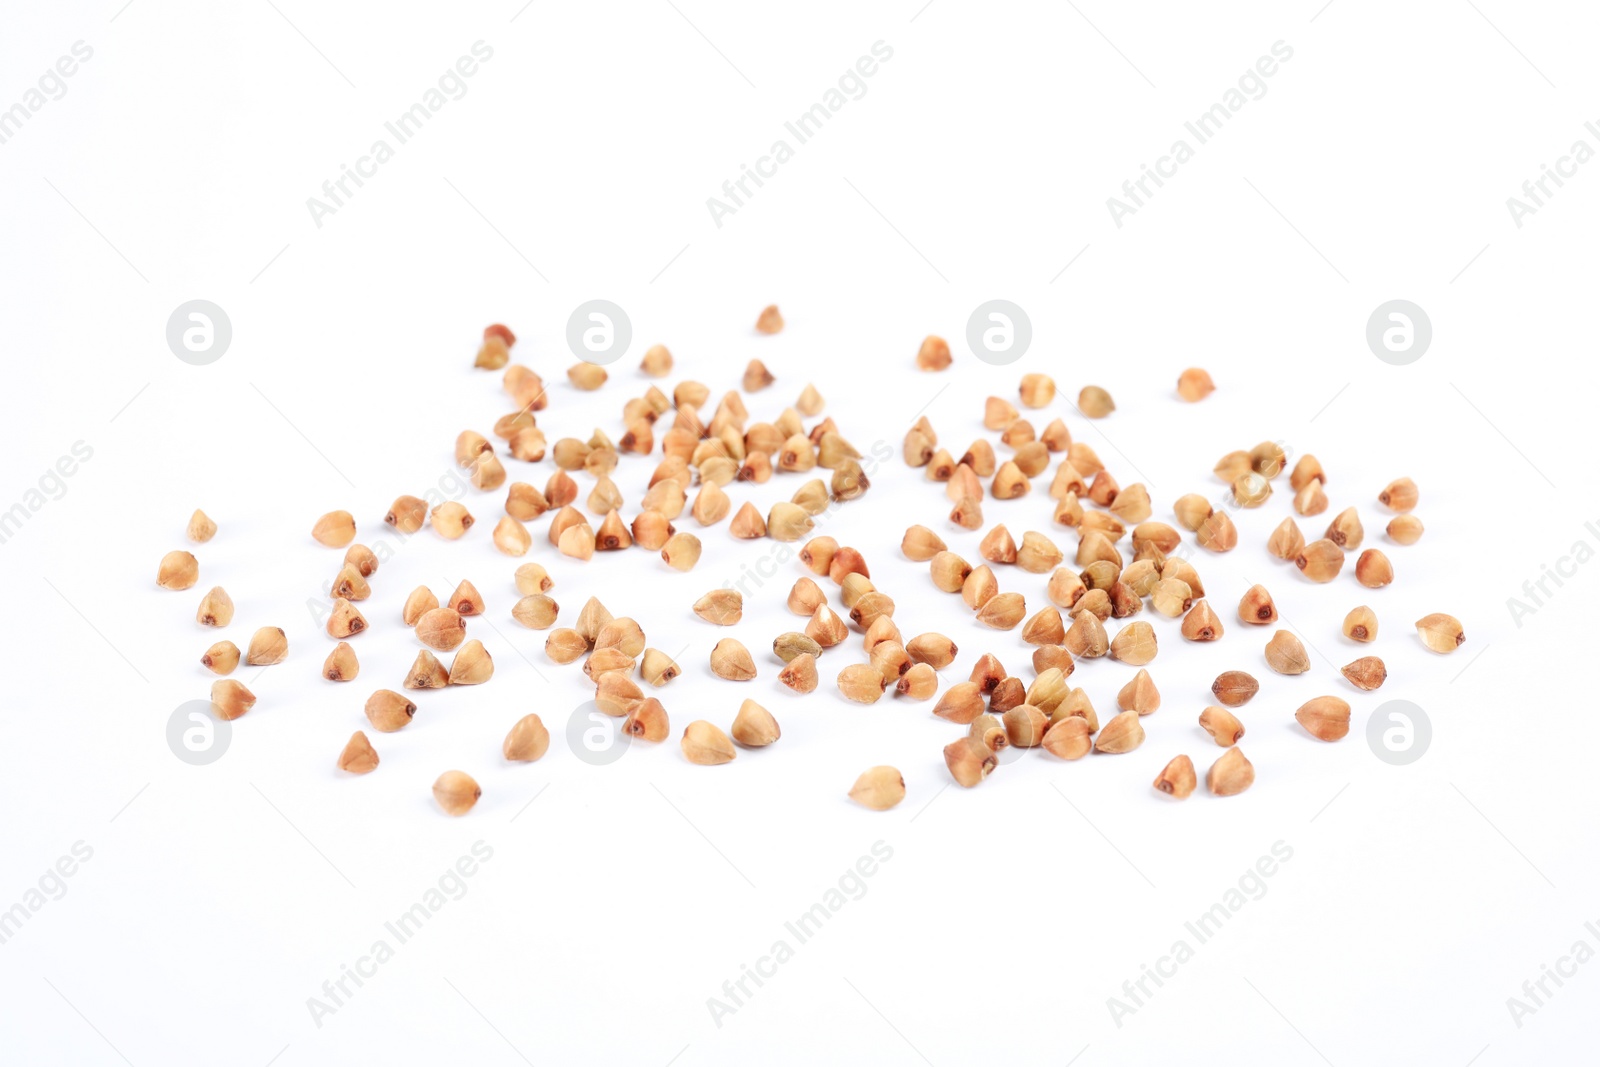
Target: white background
220, 898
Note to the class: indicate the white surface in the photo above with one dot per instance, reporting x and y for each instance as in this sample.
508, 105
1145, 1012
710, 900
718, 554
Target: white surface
220, 898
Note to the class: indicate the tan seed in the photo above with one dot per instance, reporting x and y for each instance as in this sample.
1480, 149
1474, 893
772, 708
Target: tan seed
358, 756
586, 376
466, 599
657, 362
1025, 726
216, 608
1231, 775
1086, 637
934, 355
1078, 704
657, 668
754, 726
616, 695
1068, 738
918, 683
1095, 402
987, 672
1201, 623
230, 699
961, 703
1176, 778
1286, 655
1122, 733
577, 541
221, 658
879, 788
731, 660
647, 721
341, 665
388, 711
442, 629
988, 731
1038, 554
451, 520
426, 672
997, 546
1217, 533
1234, 688
201, 529
769, 321
1440, 632
1194, 385
1366, 673
1010, 693
1325, 718
1345, 530
335, 529
1309, 499
825, 627
861, 683
1223, 726
818, 554
1404, 529
511, 537
178, 570
969, 761
488, 473
456, 792
949, 571
703, 743
980, 587
1002, 611
350, 585
268, 645
1373, 569
800, 674
1286, 542
536, 612
420, 601
469, 446
936, 650
1399, 495
1048, 691
527, 740
532, 578
1251, 490
407, 514
1256, 607
682, 551
1139, 695
472, 665
720, 607
1134, 644
1172, 597
1191, 510
847, 561
1320, 561
651, 530
565, 645
1361, 625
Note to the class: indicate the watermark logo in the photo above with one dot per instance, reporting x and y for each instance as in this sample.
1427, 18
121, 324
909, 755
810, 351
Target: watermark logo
599, 332
1399, 332
199, 332
1399, 732
999, 332
1251, 885
196, 736
595, 737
